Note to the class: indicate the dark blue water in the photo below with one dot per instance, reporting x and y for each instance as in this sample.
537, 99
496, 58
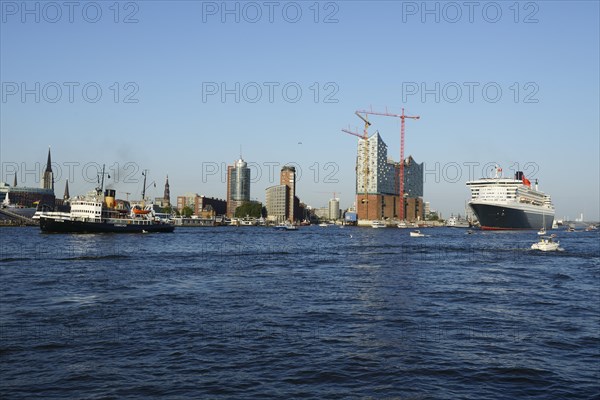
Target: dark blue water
318, 313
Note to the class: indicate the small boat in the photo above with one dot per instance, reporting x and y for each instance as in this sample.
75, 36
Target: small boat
137, 210
402, 225
571, 229
542, 232
546, 243
377, 224
287, 226
416, 233
324, 224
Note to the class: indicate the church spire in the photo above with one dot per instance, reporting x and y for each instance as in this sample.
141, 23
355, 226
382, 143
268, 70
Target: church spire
66, 196
49, 163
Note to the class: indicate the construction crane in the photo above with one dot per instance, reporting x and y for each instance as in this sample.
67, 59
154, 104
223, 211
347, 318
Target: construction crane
401, 169
365, 137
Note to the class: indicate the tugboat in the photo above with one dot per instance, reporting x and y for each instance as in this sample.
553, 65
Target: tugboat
99, 212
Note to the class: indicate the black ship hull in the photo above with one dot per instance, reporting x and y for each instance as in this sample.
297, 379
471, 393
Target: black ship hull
51, 225
498, 217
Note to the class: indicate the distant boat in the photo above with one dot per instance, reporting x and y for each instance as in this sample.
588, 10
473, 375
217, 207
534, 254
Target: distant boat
546, 243
286, 226
542, 232
457, 222
416, 233
402, 225
377, 224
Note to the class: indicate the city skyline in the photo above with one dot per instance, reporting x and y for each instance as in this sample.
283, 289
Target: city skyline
515, 92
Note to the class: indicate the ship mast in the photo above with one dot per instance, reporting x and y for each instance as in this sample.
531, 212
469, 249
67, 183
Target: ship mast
100, 188
144, 188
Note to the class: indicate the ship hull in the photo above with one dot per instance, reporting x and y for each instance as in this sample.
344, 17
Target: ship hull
503, 217
50, 225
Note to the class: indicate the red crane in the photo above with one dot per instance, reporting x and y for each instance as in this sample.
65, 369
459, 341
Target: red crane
401, 169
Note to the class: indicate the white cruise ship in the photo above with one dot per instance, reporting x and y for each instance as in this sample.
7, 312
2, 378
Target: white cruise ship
505, 203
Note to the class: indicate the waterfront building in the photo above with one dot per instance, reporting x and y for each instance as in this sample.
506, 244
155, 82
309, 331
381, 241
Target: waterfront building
277, 199
322, 212
31, 197
378, 190
413, 178
201, 204
238, 185
287, 177
334, 209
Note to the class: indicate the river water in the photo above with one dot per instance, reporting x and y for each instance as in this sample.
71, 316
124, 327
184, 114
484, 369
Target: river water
319, 313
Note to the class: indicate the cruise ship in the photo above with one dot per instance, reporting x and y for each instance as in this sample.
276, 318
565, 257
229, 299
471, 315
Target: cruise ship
505, 203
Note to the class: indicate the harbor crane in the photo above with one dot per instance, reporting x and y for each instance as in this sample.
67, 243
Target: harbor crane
402, 117
365, 137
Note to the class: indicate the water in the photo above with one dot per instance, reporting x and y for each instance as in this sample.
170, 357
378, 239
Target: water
318, 313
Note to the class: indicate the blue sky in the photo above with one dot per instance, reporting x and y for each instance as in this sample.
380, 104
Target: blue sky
377, 54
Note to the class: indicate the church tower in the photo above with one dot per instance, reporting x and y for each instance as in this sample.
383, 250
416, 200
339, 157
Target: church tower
167, 194
48, 179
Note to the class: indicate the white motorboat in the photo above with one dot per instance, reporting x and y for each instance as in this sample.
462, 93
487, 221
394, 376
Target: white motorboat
542, 232
402, 225
416, 233
377, 224
546, 243
287, 226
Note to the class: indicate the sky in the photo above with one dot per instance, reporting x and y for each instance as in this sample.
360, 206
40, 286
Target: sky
181, 88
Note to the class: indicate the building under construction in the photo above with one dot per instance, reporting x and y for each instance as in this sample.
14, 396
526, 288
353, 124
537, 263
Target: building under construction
378, 190
386, 189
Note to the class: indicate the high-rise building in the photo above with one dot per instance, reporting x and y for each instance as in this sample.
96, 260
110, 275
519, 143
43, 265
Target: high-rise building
277, 199
48, 178
238, 186
288, 177
380, 178
334, 209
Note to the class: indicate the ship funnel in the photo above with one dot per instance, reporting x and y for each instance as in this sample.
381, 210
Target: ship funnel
519, 175
109, 197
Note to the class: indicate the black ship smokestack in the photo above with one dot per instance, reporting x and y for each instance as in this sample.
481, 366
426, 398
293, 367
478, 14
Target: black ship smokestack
519, 175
